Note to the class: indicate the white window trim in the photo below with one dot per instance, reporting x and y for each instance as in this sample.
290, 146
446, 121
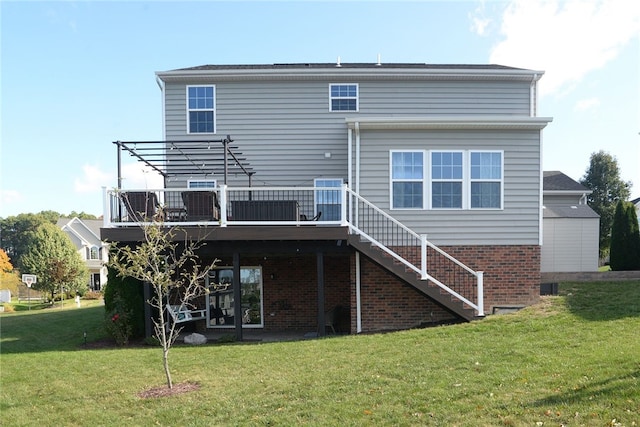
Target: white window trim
357, 98
215, 184
501, 180
424, 180
315, 193
466, 180
430, 180
214, 109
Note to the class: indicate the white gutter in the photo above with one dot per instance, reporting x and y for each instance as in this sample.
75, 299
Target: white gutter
533, 96
450, 122
161, 86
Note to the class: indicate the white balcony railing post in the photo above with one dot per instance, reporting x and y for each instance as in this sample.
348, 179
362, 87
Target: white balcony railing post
106, 209
423, 256
343, 206
480, 276
223, 205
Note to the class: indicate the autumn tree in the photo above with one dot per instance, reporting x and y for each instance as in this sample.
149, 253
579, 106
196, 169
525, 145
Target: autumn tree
168, 266
53, 258
8, 279
607, 188
625, 238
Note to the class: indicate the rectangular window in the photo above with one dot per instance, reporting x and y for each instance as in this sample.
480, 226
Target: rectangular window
201, 109
328, 202
343, 97
201, 183
446, 179
407, 179
486, 179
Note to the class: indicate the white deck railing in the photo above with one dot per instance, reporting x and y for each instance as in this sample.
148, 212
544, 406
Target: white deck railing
262, 206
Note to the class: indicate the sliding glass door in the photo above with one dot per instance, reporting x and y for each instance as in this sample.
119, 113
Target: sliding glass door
221, 302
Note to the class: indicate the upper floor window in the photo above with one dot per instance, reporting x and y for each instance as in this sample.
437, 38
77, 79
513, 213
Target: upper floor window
92, 252
328, 202
201, 109
407, 179
343, 97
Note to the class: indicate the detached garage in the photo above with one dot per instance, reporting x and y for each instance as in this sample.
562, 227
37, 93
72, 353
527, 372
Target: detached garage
570, 226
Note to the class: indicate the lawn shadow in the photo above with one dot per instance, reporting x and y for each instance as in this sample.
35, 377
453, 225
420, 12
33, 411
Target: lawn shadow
621, 385
50, 329
602, 301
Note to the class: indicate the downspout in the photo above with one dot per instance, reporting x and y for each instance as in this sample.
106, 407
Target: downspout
533, 95
349, 164
164, 128
358, 301
357, 129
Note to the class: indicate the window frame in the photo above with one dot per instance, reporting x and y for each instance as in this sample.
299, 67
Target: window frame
460, 180
466, 181
487, 180
423, 180
332, 98
189, 110
203, 181
319, 196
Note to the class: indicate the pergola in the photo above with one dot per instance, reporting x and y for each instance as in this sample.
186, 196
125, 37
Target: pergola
179, 158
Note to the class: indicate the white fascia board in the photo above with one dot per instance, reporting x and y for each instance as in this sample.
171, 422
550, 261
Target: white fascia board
356, 73
454, 122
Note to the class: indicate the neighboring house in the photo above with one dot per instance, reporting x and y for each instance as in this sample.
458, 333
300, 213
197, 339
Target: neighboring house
424, 182
85, 235
570, 226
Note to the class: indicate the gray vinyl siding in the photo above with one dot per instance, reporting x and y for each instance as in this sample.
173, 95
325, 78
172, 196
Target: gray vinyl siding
570, 245
561, 200
284, 129
517, 223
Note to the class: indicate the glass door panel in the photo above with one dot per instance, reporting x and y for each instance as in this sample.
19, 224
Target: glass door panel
221, 303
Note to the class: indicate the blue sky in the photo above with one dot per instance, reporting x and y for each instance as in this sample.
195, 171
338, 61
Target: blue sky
76, 76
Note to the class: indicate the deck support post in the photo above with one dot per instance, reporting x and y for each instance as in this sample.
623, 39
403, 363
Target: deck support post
320, 269
237, 296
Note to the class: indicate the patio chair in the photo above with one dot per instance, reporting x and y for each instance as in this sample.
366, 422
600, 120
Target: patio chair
201, 205
140, 205
330, 318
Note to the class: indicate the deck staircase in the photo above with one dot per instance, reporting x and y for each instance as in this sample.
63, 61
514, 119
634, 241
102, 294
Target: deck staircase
414, 260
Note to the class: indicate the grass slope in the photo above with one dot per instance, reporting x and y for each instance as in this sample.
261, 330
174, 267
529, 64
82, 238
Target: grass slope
570, 360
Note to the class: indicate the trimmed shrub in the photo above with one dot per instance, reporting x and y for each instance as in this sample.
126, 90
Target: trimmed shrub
625, 238
125, 295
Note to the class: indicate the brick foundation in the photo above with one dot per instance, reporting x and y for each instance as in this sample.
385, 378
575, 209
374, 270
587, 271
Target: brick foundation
290, 291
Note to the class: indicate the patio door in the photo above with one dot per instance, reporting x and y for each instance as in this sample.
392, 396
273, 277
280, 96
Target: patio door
328, 202
221, 303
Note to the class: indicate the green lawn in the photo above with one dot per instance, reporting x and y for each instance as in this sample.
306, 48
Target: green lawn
572, 360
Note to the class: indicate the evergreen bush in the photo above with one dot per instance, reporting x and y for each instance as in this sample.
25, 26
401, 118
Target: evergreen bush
126, 295
625, 238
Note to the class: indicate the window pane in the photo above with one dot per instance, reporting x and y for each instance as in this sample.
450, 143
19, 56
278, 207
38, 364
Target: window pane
446, 165
407, 195
486, 165
485, 195
343, 105
201, 121
446, 195
407, 165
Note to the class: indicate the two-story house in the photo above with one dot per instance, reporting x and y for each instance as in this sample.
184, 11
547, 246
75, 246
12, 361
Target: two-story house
85, 235
406, 194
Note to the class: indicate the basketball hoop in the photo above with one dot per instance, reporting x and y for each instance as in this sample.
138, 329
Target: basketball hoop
29, 279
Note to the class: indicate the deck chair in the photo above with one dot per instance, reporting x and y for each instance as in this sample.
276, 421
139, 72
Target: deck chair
140, 205
201, 205
330, 318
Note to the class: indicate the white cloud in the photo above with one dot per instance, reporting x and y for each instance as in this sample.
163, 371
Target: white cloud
92, 180
479, 21
566, 39
139, 176
587, 104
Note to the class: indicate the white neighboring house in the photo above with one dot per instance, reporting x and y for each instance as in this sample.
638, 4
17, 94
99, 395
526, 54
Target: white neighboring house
85, 235
570, 226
